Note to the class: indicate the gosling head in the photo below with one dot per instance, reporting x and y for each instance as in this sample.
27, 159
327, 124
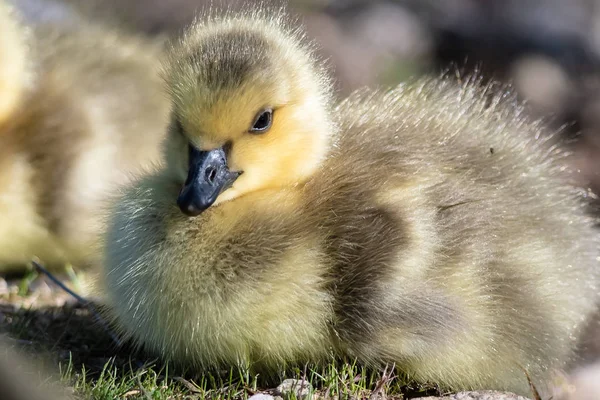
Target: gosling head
250, 109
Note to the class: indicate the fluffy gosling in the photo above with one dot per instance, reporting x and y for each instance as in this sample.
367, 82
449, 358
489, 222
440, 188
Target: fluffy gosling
431, 226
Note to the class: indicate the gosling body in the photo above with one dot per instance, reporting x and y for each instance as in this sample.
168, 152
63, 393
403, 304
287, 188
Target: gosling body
431, 226
83, 109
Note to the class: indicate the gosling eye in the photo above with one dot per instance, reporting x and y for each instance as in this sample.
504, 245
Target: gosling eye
263, 122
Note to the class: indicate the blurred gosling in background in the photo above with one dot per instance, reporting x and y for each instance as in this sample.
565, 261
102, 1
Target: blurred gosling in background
81, 109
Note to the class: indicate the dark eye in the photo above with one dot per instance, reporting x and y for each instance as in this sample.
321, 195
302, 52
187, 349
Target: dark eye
263, 122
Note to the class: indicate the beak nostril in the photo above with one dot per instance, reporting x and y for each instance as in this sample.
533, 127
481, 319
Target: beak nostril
210, 175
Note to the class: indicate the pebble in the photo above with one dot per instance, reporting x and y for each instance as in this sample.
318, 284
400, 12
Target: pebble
302, 389
261, 396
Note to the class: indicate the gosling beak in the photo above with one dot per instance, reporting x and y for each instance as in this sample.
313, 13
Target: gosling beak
208, 177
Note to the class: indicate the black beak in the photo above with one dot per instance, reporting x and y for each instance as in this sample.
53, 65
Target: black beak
208, 177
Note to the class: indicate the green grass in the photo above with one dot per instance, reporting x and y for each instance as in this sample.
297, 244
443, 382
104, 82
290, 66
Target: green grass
335, 380
89, 361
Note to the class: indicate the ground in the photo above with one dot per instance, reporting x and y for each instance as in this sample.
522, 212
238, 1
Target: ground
46, 320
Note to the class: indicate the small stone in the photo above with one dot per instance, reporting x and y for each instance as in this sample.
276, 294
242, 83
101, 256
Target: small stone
261, 396
300, 388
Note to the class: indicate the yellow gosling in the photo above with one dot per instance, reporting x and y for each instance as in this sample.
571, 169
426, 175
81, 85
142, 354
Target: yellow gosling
431, 226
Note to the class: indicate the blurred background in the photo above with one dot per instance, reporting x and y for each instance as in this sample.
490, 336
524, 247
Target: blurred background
548, 50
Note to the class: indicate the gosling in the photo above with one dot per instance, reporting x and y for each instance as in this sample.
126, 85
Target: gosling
431, 226
81, 109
